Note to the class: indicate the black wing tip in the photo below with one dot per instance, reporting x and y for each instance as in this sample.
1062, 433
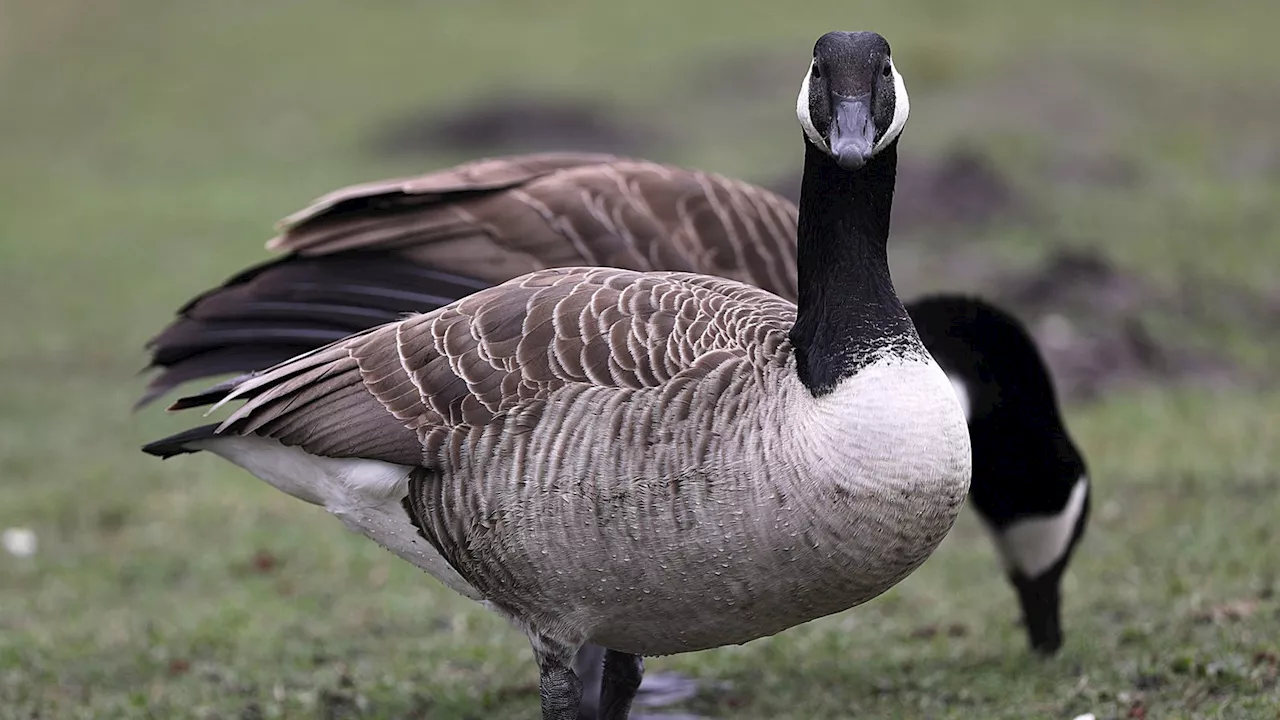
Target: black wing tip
156, 388
192, 401
342, 294
150, 395
179, 444
208, 397
161, 385
212, 395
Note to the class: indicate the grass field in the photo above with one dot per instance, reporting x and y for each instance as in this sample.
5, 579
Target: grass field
147, 147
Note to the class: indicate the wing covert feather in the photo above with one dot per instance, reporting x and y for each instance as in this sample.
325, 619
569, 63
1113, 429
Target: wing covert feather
497, 218
394, 392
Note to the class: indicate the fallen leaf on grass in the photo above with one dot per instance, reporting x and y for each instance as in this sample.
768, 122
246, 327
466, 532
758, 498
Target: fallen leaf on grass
264, 562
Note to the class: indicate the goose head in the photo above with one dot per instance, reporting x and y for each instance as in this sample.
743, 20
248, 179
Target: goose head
853, 103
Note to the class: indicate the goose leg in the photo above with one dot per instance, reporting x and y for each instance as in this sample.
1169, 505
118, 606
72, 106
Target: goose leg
560, 688
619, 684
589, 665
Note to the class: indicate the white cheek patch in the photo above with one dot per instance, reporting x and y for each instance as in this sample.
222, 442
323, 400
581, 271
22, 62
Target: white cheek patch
901, 109
1032, 546
962, 394
802, 114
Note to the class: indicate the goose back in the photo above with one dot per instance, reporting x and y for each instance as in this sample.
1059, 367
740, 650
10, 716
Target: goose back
365, 254
497, 218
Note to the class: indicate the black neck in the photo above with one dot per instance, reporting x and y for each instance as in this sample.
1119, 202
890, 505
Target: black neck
848, 310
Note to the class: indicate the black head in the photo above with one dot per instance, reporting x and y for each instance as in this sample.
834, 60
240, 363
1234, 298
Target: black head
853, 103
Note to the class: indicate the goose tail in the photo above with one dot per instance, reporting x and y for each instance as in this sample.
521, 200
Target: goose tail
180, 443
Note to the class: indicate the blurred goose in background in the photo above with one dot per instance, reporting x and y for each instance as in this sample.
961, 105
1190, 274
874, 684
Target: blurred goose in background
367, 254
1030, 484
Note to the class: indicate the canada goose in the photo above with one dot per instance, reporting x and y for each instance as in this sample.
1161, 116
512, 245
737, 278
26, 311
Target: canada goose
652, 462
1034, 493
364, 255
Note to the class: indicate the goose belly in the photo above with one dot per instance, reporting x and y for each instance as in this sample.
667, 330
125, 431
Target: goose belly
654, 572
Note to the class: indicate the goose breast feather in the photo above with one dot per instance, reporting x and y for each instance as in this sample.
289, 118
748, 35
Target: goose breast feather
594, 451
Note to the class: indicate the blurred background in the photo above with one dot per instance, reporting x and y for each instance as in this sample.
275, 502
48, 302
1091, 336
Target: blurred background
1109, 172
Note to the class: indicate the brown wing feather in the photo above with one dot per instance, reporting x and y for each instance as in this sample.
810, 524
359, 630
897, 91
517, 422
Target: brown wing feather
395, 392
461, 215
485, 174
499, 218
365, 254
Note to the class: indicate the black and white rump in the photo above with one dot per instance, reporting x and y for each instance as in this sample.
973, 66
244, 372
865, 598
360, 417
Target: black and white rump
1030, 483
651, 462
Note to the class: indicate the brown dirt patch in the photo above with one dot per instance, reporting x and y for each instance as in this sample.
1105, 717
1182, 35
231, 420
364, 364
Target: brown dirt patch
1101, 328
963, 189
518, 124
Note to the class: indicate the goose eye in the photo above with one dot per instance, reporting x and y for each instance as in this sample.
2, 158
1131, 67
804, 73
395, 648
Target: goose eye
817, 72
887, 71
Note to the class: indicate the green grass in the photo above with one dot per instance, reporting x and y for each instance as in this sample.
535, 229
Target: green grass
147, 147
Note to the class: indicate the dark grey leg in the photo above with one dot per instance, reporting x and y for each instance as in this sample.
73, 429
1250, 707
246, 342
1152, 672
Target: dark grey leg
560, 688
589, 666
619, 684
656, 690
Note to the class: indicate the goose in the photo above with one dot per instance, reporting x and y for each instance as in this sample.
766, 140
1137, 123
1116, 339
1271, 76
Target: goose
1034, 492
653, 462
366, 254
